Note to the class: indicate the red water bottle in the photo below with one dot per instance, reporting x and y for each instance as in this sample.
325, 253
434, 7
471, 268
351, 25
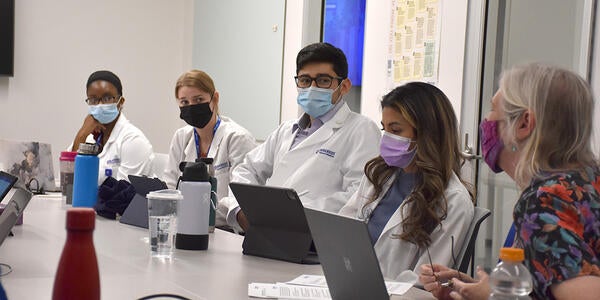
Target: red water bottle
77, 275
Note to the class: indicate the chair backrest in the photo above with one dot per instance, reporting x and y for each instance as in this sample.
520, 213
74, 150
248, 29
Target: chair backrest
467, 250
158, 165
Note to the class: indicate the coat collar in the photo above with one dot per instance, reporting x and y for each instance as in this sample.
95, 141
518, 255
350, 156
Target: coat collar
327, 130
121, 122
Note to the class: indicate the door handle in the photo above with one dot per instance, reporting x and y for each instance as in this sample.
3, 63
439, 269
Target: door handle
468, 153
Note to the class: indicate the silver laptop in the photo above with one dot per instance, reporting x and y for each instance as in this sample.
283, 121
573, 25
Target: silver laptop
347, 256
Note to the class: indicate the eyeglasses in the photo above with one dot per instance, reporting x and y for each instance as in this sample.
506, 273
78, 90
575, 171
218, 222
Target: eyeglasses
102, 100
449, 284
323, 81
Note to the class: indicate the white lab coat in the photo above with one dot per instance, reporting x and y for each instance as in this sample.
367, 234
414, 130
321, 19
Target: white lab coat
127, 152
228, 148
325, 168
396, 255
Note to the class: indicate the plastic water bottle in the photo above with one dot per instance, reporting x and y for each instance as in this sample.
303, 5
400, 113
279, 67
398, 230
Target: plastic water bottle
85, 182
510, 279
77, 274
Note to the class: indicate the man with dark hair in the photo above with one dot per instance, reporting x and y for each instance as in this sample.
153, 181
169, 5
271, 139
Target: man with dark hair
322, 154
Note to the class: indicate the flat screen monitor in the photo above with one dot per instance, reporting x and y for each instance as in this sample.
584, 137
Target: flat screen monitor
7, 37
344, 27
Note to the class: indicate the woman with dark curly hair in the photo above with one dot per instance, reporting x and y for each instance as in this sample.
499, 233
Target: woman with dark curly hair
412, 198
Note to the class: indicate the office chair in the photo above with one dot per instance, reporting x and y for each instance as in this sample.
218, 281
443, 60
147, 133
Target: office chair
467, 252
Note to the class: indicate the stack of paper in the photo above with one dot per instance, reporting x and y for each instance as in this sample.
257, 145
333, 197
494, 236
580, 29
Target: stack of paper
309, 287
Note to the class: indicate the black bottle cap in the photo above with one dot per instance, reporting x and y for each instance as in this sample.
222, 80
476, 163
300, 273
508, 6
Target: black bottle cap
196, 171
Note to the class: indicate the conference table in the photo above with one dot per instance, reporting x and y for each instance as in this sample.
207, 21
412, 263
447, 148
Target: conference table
127, 271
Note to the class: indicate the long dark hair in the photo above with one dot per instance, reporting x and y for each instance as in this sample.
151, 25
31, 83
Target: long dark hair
438, 156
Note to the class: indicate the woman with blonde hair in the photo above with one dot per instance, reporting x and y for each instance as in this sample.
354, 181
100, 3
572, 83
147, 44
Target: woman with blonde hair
208, 134
411, 196
539, 133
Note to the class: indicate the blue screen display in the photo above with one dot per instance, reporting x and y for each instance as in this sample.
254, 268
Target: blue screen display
344, 27
5, 185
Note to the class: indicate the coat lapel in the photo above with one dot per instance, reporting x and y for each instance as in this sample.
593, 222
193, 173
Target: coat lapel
323, 134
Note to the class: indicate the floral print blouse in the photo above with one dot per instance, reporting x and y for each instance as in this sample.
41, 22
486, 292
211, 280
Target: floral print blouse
557, 219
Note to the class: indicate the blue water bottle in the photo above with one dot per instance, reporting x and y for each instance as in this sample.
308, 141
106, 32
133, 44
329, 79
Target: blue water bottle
85, 182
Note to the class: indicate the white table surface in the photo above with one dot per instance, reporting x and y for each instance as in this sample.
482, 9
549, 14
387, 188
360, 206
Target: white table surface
126, 269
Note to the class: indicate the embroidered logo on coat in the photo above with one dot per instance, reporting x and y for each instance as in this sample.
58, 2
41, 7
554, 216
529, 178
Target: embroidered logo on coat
222, 166
115, 161
326, 152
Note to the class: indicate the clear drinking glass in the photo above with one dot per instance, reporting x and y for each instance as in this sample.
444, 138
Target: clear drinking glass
162, 221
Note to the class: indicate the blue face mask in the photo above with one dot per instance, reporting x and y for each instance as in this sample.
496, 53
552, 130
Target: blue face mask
315, 101
104, 113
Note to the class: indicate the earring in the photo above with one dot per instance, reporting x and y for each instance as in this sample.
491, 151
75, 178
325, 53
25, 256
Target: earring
514, 148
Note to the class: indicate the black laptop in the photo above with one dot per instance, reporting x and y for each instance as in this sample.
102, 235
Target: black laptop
278, 227
347, 256
17, 201
136, 213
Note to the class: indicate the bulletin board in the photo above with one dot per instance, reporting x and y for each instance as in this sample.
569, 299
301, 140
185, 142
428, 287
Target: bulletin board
414, 41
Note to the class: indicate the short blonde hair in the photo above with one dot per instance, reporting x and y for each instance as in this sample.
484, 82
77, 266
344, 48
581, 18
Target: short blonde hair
562, 105
197, 79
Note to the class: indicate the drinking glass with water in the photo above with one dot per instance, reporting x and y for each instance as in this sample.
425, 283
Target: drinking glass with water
162, 221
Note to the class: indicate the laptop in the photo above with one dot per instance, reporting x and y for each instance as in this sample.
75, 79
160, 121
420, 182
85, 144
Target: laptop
13, 209
136, 213
347, 256
7, 181
278, 227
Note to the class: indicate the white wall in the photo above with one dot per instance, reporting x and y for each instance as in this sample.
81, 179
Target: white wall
243, 53
302, 27
147, 43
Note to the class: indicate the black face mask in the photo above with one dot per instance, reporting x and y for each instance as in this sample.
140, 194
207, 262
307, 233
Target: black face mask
197, 115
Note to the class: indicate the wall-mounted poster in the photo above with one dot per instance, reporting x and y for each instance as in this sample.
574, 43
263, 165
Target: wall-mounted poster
414, 41
28, 161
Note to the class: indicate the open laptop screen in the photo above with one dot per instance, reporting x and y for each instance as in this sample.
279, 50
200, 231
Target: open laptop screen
6, 183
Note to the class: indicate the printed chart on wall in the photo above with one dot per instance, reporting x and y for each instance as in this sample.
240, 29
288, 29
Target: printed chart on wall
414, 41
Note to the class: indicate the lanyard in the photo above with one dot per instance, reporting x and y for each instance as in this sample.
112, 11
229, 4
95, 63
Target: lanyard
99, 139
510, 238
197, 138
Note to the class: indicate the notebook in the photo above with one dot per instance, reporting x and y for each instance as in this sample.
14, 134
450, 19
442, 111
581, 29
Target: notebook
347, 256
136, 213
17, 201
278, 227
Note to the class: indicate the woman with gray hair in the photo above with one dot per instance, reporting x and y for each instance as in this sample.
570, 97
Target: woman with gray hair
539, 133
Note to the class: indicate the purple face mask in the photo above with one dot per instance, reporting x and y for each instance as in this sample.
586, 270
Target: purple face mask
491, 144
394, 150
